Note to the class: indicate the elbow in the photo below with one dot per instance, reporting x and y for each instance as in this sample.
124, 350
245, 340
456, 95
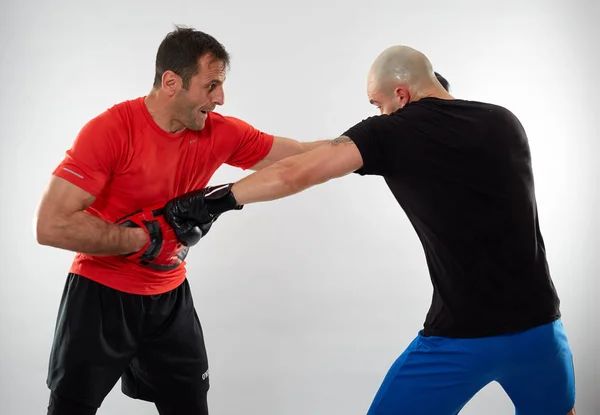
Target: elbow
44, 231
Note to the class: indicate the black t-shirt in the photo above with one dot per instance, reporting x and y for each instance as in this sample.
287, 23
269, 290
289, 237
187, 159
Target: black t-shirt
461, 171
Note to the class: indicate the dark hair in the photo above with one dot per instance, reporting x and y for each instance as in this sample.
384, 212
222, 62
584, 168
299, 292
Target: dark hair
443, 81
180, 50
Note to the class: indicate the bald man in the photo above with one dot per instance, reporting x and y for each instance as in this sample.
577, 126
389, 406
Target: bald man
461, 171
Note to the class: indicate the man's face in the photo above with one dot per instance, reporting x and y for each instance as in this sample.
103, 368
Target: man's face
385, 97
204, 93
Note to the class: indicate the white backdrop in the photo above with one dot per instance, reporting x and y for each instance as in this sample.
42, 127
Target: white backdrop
305, 301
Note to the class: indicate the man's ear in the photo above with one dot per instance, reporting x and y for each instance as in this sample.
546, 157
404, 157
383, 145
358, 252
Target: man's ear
171, 82
402, 96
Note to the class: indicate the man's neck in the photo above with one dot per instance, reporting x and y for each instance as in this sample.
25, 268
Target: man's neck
160, 112
432, 93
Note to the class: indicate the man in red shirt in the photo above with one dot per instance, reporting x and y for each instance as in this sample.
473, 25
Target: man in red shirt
119, 318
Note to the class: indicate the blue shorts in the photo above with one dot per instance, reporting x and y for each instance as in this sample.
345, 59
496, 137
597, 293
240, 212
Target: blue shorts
439, 375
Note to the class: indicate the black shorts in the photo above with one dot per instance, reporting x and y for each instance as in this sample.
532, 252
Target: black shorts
154, 343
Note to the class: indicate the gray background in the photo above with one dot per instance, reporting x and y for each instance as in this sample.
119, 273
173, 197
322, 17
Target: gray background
305, 301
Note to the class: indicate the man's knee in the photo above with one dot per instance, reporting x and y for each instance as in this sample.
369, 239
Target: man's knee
62, 406
573, 412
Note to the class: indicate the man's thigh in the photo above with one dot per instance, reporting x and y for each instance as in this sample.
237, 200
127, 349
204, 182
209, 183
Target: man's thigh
433, 375
539, 375
92, 343
60, 406
171, 368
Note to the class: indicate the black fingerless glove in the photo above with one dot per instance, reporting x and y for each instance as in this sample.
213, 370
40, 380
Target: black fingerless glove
201, 207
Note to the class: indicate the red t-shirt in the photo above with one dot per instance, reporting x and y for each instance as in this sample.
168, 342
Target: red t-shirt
128, 162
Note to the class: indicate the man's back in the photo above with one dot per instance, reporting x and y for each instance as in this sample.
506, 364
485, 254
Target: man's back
461, 170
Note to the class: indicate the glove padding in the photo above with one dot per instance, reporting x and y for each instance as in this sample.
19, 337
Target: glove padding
200, 208
165, 250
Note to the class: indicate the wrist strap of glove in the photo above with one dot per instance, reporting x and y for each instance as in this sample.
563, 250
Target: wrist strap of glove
220, 199
201, 206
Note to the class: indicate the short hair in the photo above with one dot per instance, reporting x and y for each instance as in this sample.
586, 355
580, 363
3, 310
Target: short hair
180, 50
443, 81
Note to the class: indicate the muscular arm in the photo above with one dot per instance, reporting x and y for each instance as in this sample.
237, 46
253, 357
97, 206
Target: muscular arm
62, 223
297, 173
313, 144
285, 147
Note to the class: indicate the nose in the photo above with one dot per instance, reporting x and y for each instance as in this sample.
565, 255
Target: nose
218, 97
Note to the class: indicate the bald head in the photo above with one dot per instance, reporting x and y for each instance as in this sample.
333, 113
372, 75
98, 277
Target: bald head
401, 64
402, 74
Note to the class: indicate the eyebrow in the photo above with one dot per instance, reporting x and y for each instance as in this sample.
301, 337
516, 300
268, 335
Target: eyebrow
373, 102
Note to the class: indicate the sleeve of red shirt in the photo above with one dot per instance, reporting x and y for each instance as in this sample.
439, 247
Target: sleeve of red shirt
252, 145
93, 156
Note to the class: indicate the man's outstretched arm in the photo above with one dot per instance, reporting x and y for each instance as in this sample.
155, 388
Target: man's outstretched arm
284, 178
284, 147
295, 174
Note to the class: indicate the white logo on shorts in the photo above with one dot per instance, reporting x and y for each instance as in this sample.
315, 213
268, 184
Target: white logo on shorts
205, 375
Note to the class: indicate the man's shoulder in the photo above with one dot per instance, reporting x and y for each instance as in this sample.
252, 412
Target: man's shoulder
129, 103
473, 105
121, 112
429, 103
430, 109
116, 123
493, 113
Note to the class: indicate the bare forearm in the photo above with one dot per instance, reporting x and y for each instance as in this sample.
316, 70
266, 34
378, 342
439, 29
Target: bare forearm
271, 184
297, 173
87, 234
314, 144
284, 148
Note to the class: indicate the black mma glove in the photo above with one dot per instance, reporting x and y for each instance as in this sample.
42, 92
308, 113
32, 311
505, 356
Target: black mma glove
200, 208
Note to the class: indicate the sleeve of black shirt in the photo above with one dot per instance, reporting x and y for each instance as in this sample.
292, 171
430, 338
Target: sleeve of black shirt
372, 136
